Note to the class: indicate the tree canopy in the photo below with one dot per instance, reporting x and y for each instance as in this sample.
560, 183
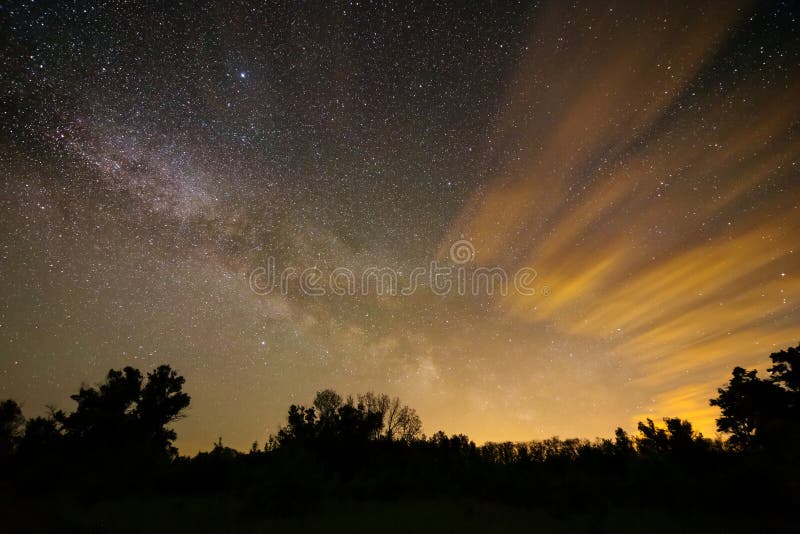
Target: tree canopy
125, 416
333, 419
763, 413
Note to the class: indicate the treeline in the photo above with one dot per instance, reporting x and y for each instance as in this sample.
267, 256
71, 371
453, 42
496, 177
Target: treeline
371, 446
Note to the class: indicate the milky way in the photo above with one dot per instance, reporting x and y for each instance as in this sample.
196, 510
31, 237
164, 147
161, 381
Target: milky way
642, 160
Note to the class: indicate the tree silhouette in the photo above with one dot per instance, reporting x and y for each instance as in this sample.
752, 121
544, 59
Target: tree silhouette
677, 437
623, 445
161, 402
327, 402
397, 420
762, 413
103, 415
749, 406
122, 417
300, 427
332, 419
42, 437
785, 372
11, 423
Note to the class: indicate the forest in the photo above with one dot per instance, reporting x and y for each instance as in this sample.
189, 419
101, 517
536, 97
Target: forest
361, 463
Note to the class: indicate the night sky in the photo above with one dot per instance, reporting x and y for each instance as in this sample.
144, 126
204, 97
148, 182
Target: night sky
643, 158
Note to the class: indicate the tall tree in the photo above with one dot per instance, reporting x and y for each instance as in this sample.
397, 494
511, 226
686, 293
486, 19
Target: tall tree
762, 413
161, 402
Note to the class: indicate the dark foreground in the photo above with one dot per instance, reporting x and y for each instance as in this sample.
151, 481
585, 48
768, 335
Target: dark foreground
228, 514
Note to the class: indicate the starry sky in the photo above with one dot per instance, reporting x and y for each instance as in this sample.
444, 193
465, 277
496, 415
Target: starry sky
642, 158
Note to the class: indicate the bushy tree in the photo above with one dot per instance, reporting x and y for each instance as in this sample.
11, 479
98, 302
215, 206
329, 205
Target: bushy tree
761, 414
126, 415
677, 436
333, 419
785, 372
748, 405
327, 402
398, 421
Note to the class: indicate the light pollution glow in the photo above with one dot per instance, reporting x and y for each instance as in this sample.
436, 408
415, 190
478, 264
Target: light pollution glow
671, 251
